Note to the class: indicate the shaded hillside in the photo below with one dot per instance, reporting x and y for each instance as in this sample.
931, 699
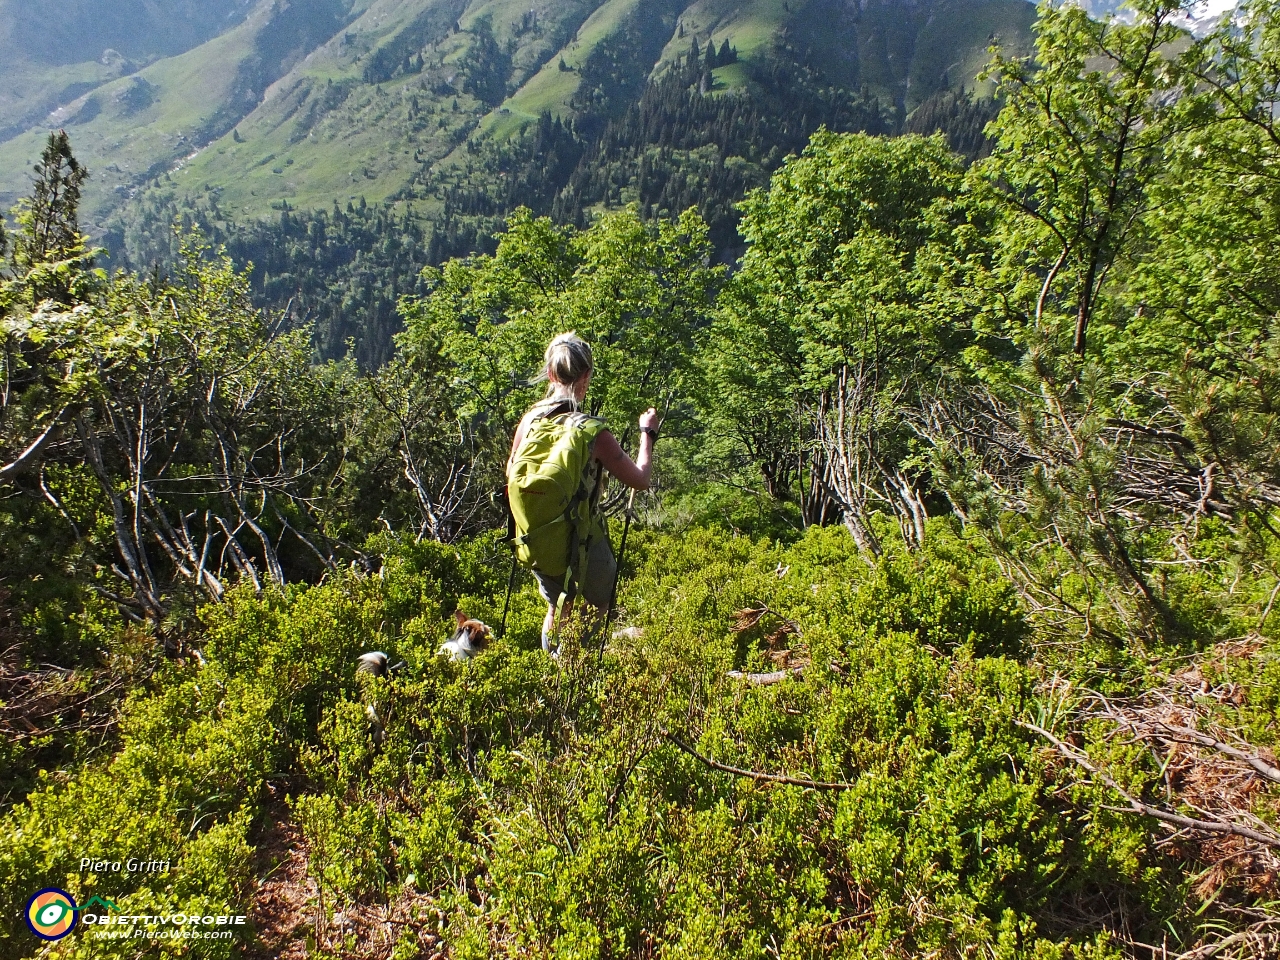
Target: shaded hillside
79, 30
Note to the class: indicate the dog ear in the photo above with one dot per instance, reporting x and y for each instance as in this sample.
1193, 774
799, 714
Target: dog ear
460, 617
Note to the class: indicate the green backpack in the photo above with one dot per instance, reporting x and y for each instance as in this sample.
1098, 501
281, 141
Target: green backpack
547, 490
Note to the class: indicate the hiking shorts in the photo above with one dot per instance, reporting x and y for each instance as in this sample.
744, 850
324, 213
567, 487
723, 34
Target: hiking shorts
595, 588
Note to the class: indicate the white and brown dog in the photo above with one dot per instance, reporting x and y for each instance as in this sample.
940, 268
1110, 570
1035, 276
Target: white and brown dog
468, 639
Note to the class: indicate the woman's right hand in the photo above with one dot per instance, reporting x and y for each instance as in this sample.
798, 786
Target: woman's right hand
649, 419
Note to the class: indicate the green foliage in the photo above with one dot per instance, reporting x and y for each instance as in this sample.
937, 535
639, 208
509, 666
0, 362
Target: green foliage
1097, 385
1036, 392
1079, 150
542, 807
192, 764
639, 293
49, 259
832, 322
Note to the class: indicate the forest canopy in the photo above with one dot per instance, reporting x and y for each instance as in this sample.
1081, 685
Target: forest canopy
948, 629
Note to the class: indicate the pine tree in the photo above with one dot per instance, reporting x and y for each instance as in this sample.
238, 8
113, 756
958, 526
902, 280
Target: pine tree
49, 255
50, 220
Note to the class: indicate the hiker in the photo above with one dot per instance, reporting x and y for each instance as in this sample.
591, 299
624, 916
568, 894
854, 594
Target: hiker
555, 481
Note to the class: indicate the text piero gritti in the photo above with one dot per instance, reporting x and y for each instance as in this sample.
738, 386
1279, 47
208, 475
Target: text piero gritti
131, 865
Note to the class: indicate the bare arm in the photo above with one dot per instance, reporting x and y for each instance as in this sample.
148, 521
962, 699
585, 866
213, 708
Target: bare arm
633, 473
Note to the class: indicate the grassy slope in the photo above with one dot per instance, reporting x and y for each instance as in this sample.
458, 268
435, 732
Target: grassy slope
373, 143
322, 134
50, 57
949, 47
750, 27
551, 88
363, 147
28, 90
120, 145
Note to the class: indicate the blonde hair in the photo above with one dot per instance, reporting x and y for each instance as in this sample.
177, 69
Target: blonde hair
567, 360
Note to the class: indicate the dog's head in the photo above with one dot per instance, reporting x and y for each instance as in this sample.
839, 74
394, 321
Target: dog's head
471, 634
374, 663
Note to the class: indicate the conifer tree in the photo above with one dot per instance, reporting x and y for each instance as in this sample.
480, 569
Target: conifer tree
50, 219
49, 256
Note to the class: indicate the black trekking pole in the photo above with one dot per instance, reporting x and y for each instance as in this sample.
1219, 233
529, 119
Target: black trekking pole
506, 606
510, 541
617, 575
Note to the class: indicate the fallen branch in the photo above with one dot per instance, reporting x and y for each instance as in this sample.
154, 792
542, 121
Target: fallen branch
763, 679
1203, 740
755, 775
1186, 823
1255, 936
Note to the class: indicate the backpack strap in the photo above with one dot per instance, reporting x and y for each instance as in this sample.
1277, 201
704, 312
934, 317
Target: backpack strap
553, 407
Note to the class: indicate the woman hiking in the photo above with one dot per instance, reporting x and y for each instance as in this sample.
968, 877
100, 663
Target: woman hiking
555, 478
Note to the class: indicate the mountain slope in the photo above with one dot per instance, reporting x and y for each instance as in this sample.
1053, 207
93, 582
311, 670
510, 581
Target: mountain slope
50, 54
135, 127
304, 102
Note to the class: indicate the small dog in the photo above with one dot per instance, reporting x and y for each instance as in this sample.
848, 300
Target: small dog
375, 663
470, 637
468, 640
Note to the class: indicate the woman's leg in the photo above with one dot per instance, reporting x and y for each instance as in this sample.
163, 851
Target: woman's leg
596, 588
549, 624
551, 588
548, 628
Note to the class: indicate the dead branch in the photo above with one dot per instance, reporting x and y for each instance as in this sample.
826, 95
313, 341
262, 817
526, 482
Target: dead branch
1146, 809
756, 775
29, 455
764, 679
1178, 734
1262, 939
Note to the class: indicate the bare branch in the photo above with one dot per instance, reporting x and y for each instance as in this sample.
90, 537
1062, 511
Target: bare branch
28, 456
1173, 819
755, 775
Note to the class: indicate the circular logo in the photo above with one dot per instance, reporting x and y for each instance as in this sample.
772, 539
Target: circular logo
51, 913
